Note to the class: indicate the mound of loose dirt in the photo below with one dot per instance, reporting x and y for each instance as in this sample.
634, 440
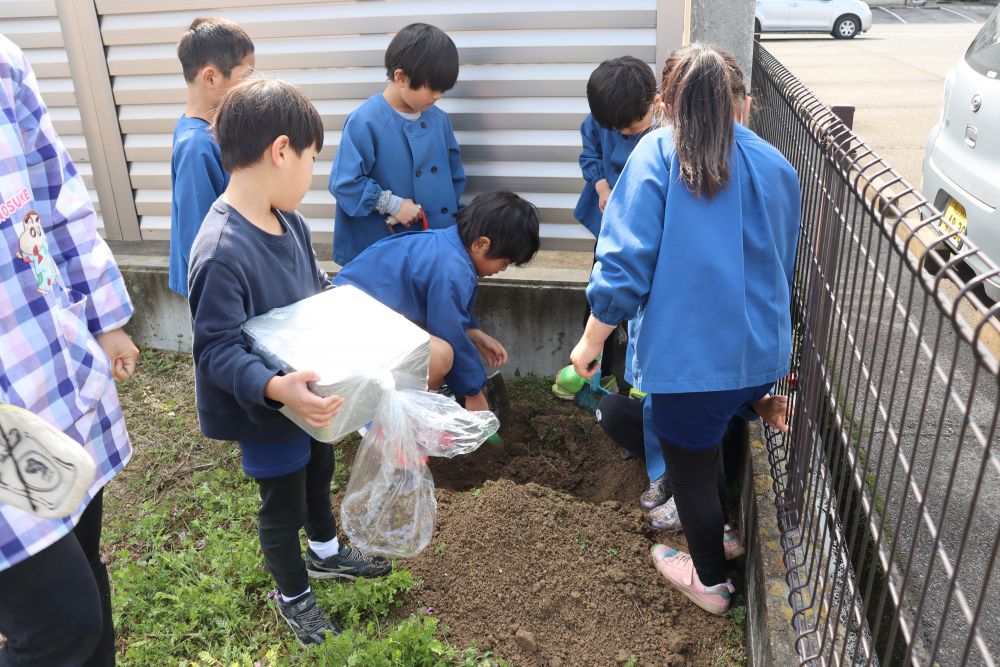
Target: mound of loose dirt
541, 553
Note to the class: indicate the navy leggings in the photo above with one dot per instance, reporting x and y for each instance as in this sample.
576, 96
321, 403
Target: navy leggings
691, 427
55, 606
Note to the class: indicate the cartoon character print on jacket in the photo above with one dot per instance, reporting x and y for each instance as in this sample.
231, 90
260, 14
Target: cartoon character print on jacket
34, 251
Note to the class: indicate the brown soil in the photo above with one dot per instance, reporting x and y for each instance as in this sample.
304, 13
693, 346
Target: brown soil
541, 554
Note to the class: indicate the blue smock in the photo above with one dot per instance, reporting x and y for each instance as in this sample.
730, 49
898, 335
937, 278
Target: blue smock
428, 278
603, 157
196, 179
707, 283
381, 150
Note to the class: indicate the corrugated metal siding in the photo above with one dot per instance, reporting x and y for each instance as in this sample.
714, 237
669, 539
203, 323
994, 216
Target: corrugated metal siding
516, 108
34, 26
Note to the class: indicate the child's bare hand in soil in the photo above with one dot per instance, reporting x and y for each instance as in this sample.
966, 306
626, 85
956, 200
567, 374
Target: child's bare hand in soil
477, 402
488, 346
774, 411
292, 390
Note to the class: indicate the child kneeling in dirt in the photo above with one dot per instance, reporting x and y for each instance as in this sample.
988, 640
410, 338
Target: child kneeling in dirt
254, 253
431, 277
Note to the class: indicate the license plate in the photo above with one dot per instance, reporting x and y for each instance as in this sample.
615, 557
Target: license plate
954, 222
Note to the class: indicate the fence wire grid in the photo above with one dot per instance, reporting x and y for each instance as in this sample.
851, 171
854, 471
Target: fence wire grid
888, 484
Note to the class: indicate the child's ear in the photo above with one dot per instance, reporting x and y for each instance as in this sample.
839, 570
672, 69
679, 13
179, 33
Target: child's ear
399, 77
209, 76
482, 245
279, 150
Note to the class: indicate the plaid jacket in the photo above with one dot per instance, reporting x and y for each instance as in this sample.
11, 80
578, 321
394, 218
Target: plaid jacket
59, 287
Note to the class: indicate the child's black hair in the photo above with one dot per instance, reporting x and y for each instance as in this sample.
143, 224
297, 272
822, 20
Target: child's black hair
508, 221
620, 92
426, 55
255, 113
211, 41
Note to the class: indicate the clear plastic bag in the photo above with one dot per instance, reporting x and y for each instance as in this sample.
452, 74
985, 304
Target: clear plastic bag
389, 507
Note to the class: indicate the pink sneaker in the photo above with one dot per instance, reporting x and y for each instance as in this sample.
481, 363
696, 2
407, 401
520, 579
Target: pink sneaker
732, 543
678, 568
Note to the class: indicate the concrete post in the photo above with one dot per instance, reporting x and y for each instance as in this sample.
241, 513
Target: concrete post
728, 25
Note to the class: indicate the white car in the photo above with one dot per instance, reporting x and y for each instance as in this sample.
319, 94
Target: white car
843, 19
962, 158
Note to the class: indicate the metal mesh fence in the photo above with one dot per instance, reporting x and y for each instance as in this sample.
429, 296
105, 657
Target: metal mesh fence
888, 484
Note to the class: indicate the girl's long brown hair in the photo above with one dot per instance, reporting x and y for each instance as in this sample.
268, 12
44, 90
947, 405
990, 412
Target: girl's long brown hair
700, 86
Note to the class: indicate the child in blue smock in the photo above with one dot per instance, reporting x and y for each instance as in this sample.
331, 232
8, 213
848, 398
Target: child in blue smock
398, 165
215, 55
431, 278
698, 250
622, 97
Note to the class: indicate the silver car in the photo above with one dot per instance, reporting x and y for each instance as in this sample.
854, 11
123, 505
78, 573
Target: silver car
962, 159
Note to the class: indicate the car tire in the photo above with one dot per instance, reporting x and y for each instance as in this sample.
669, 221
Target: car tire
756, 28
846, 27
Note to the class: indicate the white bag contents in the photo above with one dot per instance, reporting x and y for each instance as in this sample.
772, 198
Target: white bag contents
358, 346
377, 361
389, 507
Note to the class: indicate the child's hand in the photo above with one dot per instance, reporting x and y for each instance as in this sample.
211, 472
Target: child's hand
477, 402
489, 347
408, 213
773, 410
603, 193
292, 390
121, 351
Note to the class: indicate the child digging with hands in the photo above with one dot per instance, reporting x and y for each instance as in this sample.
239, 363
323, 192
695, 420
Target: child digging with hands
252, 254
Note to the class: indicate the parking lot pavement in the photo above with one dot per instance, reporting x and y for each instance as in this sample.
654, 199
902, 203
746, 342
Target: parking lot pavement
893, 75
933, 13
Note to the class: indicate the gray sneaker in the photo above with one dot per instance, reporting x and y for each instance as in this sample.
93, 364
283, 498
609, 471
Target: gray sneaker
657, 493
348, 563
306, 619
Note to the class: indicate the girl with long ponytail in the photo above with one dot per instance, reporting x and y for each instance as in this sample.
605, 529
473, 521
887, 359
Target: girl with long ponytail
697, 248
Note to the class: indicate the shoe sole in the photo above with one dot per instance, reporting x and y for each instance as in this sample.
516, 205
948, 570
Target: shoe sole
44, 471
322, 574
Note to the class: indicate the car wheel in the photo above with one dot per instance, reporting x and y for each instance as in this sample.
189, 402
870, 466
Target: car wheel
846, 27
756, 28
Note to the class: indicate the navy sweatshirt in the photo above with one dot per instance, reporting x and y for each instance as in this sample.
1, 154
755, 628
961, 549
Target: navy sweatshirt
238, 271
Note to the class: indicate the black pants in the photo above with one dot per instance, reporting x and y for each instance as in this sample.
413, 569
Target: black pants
289, 503
621, 418
55, 606
699, 484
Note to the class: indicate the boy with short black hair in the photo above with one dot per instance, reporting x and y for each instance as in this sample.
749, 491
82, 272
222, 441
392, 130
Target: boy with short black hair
622, 97
431, 278
398, 163
215, 55
254, 253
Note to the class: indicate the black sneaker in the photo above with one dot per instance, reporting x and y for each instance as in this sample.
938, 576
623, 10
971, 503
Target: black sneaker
349, 563
306, 619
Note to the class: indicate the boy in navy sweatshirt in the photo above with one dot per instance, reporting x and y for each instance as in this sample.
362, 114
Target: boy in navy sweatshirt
431, 278
398, 155
215, 55
254, 253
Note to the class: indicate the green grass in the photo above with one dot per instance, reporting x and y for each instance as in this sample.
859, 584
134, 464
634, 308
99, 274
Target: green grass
188, 580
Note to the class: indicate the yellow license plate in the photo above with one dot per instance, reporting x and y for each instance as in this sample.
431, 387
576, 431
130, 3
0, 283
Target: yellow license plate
954, 222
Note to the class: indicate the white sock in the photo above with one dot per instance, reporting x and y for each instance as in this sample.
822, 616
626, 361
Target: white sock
325, 549
295, 597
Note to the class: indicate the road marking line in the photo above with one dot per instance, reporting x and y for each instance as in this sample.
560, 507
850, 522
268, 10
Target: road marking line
952, 11
893, 14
